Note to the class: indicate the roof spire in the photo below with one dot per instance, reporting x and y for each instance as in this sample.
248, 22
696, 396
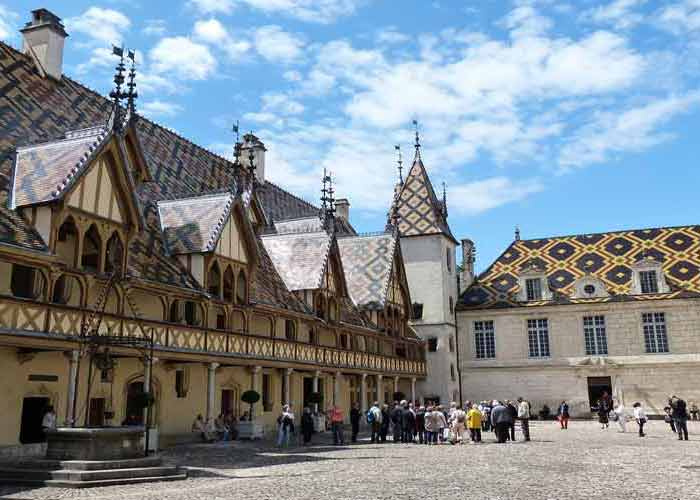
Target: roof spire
115, 118
327, 201
517, 233
444, 200
237, 145
400, 162
131, 94
417, 144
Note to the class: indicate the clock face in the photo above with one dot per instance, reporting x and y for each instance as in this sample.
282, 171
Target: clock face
589, 289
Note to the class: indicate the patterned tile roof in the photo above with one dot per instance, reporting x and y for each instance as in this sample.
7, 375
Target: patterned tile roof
368, 261
280, 204
608, 257
194, 224
300, 258
304, 225
418, 209
44, 172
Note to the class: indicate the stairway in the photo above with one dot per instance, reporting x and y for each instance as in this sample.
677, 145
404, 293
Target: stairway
89, 474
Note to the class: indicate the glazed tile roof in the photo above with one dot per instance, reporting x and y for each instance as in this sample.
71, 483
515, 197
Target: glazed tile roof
419, 210
368, 262
304, 225
194, 224
44, 172
606, 256
300, 258
280, 204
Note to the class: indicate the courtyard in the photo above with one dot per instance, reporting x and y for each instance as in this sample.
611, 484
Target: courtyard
581, 462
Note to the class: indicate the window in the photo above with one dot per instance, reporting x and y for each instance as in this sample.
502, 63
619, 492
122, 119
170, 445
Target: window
214, 281
453, 376
344, 341
242, 288
533, 288
655, 336
313, 337
63, 289
180, 390
228, 284
448, 259
67, 242
538, 338
92, 250
484, 339
26, 282
595, 335
185, 311
648, 282
220, 321
115, 254
432, 344
417, 310
589, 289
266, 392
452, 305
452, 344
290, 330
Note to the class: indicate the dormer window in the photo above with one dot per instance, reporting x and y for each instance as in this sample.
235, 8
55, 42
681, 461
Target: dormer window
533, 289
589, 287
648, 282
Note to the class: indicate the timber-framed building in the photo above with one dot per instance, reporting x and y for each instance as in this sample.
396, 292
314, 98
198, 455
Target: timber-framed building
241, 284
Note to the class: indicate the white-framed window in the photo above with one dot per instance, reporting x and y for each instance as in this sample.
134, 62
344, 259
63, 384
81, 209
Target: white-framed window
448, 259
538, 338
595, 336
648, 281
533, 288
484, 340
655, 334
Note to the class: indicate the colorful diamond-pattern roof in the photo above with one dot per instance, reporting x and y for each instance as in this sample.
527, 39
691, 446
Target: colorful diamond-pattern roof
368, 262
300, 258
609, 257
418, 209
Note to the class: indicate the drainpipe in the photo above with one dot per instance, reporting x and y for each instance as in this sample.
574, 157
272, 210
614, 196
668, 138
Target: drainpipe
459, 368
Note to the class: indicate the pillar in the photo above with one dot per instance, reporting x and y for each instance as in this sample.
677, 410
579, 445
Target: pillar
396, 384
317, 374
380, 389
147, 379
336, 388
254, 384
211, 389
288, 386
73, 357
363, 393
413, 390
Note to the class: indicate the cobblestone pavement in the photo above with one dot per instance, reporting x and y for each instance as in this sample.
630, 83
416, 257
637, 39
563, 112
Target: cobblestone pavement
582, 462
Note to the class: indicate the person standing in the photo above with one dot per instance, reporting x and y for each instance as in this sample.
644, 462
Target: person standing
336, 417
439, 423
355, 421
459, 420
420, 424
486, 416
680, 417
500, 420
429, 425
640, 416
604, 411
513, 411
621, 416
374, 419
307, 425
668, 418
49, 420
564, 415
474, 423
285, 423
386, 421
524, 416
396, 416
694, 412
408, 423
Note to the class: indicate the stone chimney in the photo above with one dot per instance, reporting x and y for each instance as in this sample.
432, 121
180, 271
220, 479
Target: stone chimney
342, 208
468, 258
43, 39
252, 143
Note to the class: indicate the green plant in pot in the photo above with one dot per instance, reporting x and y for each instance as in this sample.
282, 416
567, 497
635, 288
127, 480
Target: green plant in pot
250, 397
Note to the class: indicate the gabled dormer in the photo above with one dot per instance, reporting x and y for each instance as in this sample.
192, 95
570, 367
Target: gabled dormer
79, 195
648, 277
533, 284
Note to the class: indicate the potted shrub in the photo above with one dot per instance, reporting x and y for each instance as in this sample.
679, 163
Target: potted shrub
251, 397
249, 429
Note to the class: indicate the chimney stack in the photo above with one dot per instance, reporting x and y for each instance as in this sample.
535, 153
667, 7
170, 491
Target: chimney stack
43, 39
251, 142
342, 208
468, 259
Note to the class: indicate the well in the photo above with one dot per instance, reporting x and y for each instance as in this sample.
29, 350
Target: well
106, 443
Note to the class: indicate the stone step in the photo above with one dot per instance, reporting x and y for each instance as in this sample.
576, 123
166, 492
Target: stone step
98, 475
60, 483
131, 463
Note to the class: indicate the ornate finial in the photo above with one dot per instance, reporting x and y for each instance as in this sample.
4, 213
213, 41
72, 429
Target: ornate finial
328, 201
400, 162
237, 145
131, 94
444, 200
517, 233
251, 163
117, 94
417, 145
324, 192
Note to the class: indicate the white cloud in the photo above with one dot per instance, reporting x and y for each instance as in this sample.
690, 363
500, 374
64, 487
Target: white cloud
159, 108
282, 104
103, 26
292, 76
476, 197
317, 11
634, 130
277, 45
182, 57
154, 27
525, 21
212, 6
680, 17
619, 13
391, 35
213, 32
8, 19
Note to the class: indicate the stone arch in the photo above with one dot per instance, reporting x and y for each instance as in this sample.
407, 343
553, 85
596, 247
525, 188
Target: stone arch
155, 390
91, 257
214, 280
114, 255
69, 290
67, 242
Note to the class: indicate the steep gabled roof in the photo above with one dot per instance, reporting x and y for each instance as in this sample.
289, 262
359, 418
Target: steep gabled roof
418, 209
300, 258
368, 262
606, 256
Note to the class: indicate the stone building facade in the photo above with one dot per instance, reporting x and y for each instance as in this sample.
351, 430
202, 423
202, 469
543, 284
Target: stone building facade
566, 318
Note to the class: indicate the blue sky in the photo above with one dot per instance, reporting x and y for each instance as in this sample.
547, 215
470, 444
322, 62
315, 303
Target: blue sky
561, 117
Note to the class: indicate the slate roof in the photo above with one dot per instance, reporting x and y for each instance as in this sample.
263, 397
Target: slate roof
300, 258
606, 256
193, 225
419, 210
368, 262
279, 204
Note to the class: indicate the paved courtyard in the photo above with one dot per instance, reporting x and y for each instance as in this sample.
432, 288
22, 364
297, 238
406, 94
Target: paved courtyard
583, 462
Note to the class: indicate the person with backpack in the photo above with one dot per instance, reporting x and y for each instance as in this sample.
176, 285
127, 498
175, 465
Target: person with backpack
524, 417
420, 424
386, 421
285, 426
459, 419
679, 413
355, 421
563, 414
374, 419
430, 436
640, 416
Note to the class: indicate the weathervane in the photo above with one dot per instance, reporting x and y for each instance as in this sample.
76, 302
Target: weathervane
237, 145
444, 200
400, 162
117, 94
131, 94
417, 145
517, 233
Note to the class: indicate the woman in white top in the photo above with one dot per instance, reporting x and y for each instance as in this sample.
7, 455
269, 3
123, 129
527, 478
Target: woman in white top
621, 416
640, 417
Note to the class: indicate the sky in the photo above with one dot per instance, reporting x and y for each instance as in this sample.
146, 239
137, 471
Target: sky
560, 117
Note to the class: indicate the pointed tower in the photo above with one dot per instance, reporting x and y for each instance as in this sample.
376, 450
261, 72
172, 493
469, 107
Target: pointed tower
428, 249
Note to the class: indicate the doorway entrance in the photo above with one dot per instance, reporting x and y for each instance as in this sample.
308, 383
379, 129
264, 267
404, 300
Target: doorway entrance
33, 409
309, 389
596, 387
230, 402
134, 412
96, 415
